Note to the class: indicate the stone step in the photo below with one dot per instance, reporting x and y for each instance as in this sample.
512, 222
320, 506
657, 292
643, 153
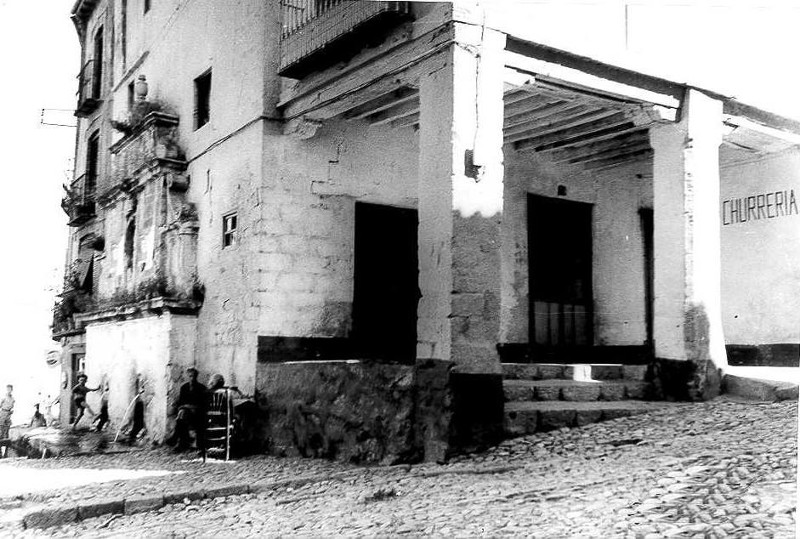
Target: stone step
574, 390
528, 417
573, 371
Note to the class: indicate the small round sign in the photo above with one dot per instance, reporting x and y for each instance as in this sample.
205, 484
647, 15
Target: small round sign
53, 358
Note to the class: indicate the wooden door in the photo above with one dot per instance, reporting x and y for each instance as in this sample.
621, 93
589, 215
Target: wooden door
560, 276
386, 288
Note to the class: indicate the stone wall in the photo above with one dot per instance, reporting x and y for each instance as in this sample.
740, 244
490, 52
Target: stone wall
357, 411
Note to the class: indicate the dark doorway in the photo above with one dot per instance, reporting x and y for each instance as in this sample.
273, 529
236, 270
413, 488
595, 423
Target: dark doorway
646, 217
77, 366
385, 291
560, 262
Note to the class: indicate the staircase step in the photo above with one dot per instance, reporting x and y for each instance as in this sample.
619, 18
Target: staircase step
574, 371
573, 390
528, 417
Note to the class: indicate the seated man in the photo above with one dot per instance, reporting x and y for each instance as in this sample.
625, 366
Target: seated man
191, 412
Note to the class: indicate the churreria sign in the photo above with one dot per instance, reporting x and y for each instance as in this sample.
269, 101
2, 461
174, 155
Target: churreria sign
756, 207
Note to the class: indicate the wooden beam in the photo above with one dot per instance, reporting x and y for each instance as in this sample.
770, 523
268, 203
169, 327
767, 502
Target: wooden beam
594, 131
583, 72
383, 102
522, 105
394, 113
542, 114
573, 120
593, 148
618, 159
557, 134
623, 149
405, 121
400, 66
581, 80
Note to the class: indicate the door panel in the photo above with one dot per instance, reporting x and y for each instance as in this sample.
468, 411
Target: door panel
560, 263
386, 288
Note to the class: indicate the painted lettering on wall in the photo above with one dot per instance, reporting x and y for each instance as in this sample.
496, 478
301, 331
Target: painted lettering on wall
757, 207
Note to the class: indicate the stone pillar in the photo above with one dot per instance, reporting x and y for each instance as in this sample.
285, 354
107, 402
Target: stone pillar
460, 210
689, 344
461, 202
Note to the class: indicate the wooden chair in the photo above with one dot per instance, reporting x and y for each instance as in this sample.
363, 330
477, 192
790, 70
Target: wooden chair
220, 423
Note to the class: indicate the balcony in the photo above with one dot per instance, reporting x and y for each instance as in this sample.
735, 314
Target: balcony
78, 202
319, 33
150, 148
88, 90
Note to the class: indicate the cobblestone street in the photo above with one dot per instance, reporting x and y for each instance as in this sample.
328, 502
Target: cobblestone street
718, 469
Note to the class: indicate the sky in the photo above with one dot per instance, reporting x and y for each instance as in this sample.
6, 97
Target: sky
744, 48
39, 58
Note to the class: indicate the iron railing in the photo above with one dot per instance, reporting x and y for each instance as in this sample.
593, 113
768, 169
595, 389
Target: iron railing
88, 90
79, 200
310, 26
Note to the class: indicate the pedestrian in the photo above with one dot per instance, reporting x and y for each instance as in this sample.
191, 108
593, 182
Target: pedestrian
38, 419
190, 413
103, 417
6, 409
79, 393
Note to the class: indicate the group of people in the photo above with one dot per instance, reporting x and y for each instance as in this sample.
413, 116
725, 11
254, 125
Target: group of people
7, 410
191, 410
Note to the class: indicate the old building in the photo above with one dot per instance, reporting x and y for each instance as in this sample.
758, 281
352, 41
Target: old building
357, 211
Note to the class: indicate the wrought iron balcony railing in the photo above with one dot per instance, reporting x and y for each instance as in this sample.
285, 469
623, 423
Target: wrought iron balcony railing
318, 33
88, 90
79, 200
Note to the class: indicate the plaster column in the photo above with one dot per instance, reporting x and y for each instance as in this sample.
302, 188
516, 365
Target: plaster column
461, 202
689, 344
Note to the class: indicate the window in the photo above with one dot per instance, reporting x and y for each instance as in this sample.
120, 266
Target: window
92, 154
230, 224
146, 6
130, 238
124, 39
131, 96
202, 100
97, 67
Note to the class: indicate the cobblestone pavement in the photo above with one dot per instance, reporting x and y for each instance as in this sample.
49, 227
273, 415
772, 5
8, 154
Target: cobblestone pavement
718, 469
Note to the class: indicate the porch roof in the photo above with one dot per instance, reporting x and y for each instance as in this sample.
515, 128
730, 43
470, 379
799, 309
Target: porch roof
576, 109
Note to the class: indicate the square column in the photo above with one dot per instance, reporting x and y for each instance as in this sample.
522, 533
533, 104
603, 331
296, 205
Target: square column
687, 314
461, 201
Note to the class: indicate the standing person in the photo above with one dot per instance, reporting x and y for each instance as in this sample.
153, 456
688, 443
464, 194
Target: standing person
103, 418
191, 412
6, 409
79, 393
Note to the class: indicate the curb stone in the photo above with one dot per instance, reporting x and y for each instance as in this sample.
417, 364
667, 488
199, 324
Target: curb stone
59, 515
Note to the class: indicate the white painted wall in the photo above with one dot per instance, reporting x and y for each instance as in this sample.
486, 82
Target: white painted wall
760, 265
155, 349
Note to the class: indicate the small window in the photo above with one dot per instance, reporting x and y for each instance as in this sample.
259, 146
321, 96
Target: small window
92, 157
202, 100
230, 224
97, 67
146, 6
130, 242
131, 96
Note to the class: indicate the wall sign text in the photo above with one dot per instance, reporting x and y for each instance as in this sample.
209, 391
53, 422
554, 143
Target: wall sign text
756, 207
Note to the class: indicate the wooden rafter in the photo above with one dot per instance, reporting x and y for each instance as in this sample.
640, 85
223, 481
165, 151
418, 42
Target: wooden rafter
583, 134
396, 97
581, 117
597, 147
396, 112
